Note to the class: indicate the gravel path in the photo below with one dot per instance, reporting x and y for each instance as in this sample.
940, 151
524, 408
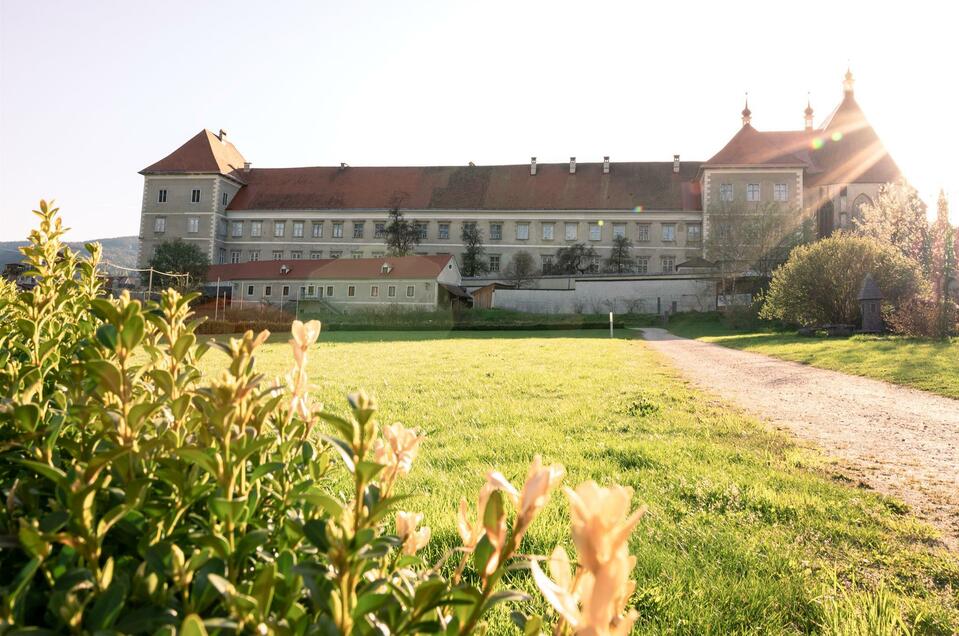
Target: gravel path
900, 441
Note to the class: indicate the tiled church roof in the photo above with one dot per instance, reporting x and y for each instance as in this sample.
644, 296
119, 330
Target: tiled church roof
205, 152
845, 149
651, 185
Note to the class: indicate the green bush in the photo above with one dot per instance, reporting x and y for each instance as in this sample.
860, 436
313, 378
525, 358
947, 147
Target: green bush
820, 282
142, 497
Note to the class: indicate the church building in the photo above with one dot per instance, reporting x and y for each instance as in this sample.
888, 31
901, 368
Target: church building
208, 193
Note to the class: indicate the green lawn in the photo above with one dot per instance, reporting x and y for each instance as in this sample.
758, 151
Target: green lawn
745, 529
921, 364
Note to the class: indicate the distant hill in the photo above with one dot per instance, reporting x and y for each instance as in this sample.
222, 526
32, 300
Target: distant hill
121, 250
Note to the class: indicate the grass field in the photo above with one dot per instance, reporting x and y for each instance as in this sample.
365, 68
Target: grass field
921, 364
746, 530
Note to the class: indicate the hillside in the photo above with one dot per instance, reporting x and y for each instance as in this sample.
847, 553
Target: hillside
121, 250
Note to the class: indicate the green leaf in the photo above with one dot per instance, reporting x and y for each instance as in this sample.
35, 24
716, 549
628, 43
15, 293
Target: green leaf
107, 336
108, 605
227, 509
346, 428
46, 470
108, 375
104, 310
368, 470
325, 502
503, 596
27, 416
265, 469
482, 554
31, 541
251, 541
198, 457
193, 625
344, 450
370, 603
315, 530
263, 587
182, 345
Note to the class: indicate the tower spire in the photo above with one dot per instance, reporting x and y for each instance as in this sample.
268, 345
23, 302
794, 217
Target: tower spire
808, 113
747, 114
848, 82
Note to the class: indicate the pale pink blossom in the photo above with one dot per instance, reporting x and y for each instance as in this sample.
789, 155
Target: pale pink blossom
406, 529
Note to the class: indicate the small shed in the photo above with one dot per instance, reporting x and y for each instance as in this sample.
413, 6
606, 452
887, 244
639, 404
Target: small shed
483, 297
870, 300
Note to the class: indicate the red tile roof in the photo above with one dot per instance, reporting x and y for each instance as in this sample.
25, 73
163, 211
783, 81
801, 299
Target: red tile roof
626, 186
203, 153
845, 149
401, 267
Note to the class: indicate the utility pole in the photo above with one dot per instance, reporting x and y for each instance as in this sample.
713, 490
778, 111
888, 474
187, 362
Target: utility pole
216, 299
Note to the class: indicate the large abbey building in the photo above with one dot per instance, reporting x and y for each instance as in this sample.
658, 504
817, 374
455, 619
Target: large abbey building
207, 192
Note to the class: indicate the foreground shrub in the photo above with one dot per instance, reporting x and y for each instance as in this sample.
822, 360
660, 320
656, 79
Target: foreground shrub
820, 282
140, 497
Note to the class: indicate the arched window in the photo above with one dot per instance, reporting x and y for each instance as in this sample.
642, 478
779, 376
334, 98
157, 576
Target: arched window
858, 204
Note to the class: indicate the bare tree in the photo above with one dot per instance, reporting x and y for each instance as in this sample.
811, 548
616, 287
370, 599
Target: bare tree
521, 270
898, 218
753, 241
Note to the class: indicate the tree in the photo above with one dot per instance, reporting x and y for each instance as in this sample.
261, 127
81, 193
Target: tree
898, 217
753, 241
521, 270
620, 259
473, 262
575, 259
402, 236
942, 262
179, 257
820, 282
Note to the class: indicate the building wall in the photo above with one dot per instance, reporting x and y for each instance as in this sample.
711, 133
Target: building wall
638, 295
845, 199
424, 295
649, 243
178, 209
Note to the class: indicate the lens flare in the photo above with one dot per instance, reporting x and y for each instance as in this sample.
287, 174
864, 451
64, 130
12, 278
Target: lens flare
638, 209
816, 143
600, 222
836, 136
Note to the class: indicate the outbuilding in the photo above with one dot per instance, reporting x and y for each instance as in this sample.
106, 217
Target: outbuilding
423, 283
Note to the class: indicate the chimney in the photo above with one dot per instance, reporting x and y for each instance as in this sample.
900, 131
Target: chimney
676, 164
606, 164
532, 166
572, 165
246, 166
344, 165
222, 135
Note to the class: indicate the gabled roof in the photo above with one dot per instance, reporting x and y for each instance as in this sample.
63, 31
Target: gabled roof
652, 185
400, 267
749, 147
845, 149
850, 150
205, 152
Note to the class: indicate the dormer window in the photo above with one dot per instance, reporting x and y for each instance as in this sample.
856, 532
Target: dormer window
386, 269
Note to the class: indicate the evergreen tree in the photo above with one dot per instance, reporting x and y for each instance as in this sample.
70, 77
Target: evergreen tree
179, 257
575, 259
473, 262
620, 260
402, 237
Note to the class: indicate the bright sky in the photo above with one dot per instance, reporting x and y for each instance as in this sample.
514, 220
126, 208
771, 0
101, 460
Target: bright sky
91, 92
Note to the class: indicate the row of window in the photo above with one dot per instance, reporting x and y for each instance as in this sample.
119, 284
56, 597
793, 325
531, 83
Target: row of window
753, 192
195, 196
571, 230
318, 291
641, 264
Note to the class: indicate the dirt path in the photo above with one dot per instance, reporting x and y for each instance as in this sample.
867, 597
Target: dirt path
900, 441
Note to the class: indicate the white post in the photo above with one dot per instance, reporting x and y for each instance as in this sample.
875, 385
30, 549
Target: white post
216, 299
296, 312
610, 324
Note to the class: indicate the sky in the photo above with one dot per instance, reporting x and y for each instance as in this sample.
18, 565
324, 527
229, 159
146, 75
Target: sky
92, 92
